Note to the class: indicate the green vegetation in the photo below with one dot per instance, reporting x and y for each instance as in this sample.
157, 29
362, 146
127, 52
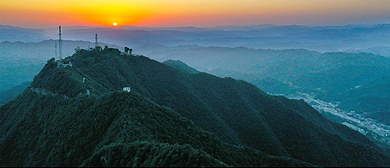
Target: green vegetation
123, 128
181, 66
210, 121
14, 72
359, 81
7, 95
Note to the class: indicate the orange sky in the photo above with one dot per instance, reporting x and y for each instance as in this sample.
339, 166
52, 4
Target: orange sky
201, 13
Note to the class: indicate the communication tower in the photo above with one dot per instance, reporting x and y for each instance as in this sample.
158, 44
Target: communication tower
60, 43
55, 46
96, 40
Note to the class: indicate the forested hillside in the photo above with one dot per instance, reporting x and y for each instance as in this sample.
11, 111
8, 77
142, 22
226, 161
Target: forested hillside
180, 66
358, 81
7, 95
79, 116
118, 129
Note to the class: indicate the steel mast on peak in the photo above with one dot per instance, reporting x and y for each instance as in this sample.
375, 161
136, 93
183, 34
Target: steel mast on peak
55, 46
59, 42
96, 40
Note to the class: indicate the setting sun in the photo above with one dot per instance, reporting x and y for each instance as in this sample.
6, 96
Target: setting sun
115, 24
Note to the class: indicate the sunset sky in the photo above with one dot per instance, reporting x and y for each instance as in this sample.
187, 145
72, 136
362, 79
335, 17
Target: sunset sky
200, 13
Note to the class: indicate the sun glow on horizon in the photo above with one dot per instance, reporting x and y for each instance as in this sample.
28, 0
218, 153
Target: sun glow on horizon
115, 24
200, 13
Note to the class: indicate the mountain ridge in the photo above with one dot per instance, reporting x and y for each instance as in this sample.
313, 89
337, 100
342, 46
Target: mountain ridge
235, 111
109, 128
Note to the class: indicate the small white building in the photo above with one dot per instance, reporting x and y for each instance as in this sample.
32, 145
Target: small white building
60, 63
69, 65
126, 89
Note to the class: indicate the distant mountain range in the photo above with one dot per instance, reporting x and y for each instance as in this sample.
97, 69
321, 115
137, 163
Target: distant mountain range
317, 38
13, 34
321, 38
173, 116
379, 50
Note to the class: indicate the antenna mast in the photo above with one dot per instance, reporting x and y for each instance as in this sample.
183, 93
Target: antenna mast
96, 40
60, 42
55, 46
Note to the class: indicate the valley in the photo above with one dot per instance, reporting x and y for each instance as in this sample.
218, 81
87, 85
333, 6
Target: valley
373, 129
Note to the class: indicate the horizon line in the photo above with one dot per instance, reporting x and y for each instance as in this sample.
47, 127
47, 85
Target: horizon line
198, 27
